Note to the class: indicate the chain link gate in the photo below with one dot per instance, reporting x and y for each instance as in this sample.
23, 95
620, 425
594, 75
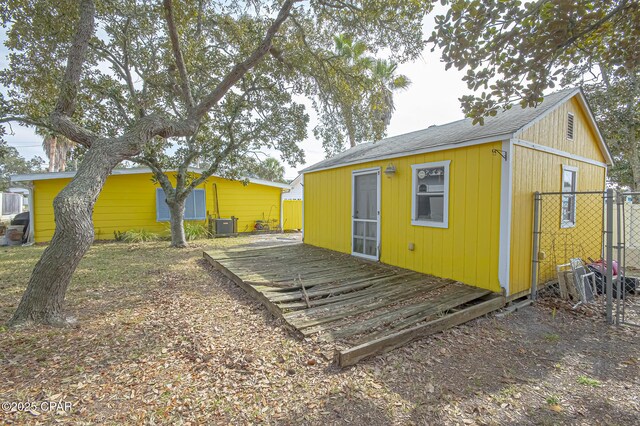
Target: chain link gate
569, 227
590, 230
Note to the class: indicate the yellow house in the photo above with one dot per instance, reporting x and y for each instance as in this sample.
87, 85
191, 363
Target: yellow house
456, 200
292, 206
130, 200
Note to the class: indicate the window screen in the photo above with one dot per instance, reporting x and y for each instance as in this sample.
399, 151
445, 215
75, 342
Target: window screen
430, 193
366, 196
569, 180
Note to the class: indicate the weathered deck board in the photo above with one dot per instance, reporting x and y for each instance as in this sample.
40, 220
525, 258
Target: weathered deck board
405, 314
363, 306
354, 354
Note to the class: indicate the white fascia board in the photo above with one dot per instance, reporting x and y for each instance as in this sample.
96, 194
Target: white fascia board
594, 124
132, 171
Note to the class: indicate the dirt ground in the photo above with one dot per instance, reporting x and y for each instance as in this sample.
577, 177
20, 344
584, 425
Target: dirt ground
164, 339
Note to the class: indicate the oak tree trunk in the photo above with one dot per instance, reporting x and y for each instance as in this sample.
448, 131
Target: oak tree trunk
43, 299
176, 209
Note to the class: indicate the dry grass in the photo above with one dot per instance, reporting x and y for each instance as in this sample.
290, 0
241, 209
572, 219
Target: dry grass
163, 339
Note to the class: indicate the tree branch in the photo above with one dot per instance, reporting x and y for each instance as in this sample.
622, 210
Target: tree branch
70, 84
597, 24
177, 54
127, 71
120, 108
241, 69
26, 120
156, 169
216, 163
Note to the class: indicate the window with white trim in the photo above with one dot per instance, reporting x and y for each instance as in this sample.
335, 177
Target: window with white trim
570, 125
568, 208
430, 198
194, 206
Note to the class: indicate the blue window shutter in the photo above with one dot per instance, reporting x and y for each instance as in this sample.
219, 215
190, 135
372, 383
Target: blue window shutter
195, 208
162, 209
201, 212
189, 207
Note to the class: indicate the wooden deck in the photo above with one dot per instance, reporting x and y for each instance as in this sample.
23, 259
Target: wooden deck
362, 307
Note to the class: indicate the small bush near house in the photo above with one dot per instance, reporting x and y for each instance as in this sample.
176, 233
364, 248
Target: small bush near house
138, 236
195, 231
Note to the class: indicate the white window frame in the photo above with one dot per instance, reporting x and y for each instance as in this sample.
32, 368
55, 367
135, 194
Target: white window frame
573, 129
566, 223
414, 191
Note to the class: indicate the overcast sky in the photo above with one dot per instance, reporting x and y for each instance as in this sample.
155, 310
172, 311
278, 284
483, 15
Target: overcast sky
432, 98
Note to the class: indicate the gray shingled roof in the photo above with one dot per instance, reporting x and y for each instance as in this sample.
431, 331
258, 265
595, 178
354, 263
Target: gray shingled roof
457, 132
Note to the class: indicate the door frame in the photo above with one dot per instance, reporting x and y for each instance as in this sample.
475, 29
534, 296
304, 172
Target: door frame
355, 173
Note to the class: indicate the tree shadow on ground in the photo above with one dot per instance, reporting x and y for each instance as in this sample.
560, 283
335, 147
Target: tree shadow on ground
186, 336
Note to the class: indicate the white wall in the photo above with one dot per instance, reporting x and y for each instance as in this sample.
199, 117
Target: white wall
296, 192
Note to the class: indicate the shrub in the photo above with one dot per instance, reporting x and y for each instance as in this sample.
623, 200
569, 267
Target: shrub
138, 236
195, 231
584, 380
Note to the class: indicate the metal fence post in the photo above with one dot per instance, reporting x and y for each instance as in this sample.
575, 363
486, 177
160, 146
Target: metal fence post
536, 241
609, 255
620, 281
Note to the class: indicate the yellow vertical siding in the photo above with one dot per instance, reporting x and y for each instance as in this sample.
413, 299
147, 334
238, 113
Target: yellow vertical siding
467, 251
551, 131
129, 202
541, 171
292, 214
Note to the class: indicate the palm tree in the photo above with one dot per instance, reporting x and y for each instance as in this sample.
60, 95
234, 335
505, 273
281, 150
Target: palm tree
57, 148
387, 82
352, 51
383, 81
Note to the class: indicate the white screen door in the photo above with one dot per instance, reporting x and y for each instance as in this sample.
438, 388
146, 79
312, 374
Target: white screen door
366, 214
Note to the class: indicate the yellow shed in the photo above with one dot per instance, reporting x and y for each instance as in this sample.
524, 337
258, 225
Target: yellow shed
456, 200
131, 200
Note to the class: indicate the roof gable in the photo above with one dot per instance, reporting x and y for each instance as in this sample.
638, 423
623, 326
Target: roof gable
590, 121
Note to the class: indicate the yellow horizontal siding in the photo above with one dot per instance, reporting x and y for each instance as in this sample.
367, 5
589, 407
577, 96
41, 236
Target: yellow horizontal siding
292, 214
466, 251
540, 171
248, 203
129, 202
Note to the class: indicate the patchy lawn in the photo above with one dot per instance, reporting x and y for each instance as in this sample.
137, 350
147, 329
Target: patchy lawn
162, 338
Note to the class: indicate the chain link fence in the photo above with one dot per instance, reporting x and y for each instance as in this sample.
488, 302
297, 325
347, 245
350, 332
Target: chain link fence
576, 236
626, 230
569, 226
